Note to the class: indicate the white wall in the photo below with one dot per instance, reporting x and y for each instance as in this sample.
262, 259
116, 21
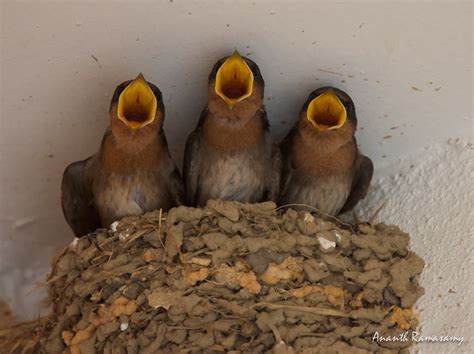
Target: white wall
408, 67
430, 195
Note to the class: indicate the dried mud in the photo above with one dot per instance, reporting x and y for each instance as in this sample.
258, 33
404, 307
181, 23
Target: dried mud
231, 277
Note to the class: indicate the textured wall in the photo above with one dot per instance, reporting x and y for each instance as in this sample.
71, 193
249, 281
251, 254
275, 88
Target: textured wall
408, 67
430, 196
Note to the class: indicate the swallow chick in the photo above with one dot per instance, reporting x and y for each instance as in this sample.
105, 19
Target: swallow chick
132, 172
322, 166
230, 155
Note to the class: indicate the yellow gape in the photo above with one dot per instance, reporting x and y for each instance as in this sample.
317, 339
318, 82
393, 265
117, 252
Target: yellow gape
234, 80
326, 112
137, 104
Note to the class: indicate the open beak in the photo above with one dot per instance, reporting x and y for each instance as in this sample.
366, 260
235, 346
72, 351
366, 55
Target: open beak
326, 112
137, 104
234, 80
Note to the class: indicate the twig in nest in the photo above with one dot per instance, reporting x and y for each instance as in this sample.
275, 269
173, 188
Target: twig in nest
159, 221
275, 333
314, 310
51, 280
320, 212
137, 235
159, 229
108, 240
105, 254
374, 215
184, 327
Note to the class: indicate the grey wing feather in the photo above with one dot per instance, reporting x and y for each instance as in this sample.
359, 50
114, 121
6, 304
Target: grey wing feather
176, 187
286, 153
175, 182
275, 174
77, 200
361, 182
191, 166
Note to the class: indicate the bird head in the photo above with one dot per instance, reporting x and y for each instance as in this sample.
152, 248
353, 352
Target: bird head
137, 105
329, 109
235, 84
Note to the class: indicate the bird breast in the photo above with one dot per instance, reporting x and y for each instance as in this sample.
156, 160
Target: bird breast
118, 196
237, 175
328, 194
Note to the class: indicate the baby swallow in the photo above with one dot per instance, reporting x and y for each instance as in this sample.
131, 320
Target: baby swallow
230, 155
322, 166
132, 173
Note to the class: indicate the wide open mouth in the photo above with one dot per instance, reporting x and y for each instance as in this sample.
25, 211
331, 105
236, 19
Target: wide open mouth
137, 104
234, 80
326, 112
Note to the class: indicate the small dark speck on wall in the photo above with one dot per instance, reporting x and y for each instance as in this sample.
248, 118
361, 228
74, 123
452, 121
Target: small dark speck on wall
50, 156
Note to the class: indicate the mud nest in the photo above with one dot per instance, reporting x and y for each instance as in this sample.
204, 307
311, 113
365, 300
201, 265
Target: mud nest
231, 277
